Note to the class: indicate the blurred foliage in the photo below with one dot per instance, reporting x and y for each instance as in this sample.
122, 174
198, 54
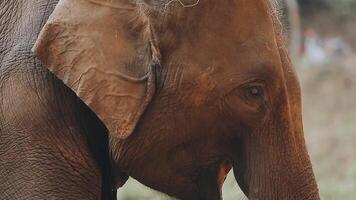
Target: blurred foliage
329, 17
340, 7
345, 7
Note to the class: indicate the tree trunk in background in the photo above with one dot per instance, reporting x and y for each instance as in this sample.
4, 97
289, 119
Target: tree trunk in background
295, 29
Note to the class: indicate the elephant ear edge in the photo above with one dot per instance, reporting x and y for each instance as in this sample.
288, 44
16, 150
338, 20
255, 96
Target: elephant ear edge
91, 49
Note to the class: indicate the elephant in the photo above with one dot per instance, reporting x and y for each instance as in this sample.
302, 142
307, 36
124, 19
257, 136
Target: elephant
174, 93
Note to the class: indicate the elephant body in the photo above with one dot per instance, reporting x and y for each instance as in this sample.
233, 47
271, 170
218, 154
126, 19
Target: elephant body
170, 93
51, 145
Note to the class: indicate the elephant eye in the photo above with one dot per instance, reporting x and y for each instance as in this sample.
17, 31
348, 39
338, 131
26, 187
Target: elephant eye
254, 91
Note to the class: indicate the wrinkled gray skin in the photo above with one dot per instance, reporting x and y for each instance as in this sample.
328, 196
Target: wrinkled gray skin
53, 147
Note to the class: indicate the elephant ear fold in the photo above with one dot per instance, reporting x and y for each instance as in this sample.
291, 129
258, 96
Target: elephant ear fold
93, 49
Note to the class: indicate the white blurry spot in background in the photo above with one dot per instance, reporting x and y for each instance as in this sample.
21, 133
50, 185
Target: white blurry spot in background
320, 50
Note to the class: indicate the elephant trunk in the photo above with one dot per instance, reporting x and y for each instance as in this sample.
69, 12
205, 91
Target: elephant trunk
272, 173
272, 163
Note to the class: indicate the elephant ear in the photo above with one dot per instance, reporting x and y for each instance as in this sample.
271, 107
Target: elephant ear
102, 51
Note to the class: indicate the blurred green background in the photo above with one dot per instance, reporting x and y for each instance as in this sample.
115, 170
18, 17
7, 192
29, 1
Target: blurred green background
326, 64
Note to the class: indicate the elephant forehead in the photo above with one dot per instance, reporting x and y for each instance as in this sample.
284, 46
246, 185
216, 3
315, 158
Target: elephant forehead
231, 35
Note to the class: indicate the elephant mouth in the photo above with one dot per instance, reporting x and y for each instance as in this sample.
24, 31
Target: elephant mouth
224, 170
210, 184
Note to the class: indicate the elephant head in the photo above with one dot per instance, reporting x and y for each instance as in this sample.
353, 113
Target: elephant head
187, 90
